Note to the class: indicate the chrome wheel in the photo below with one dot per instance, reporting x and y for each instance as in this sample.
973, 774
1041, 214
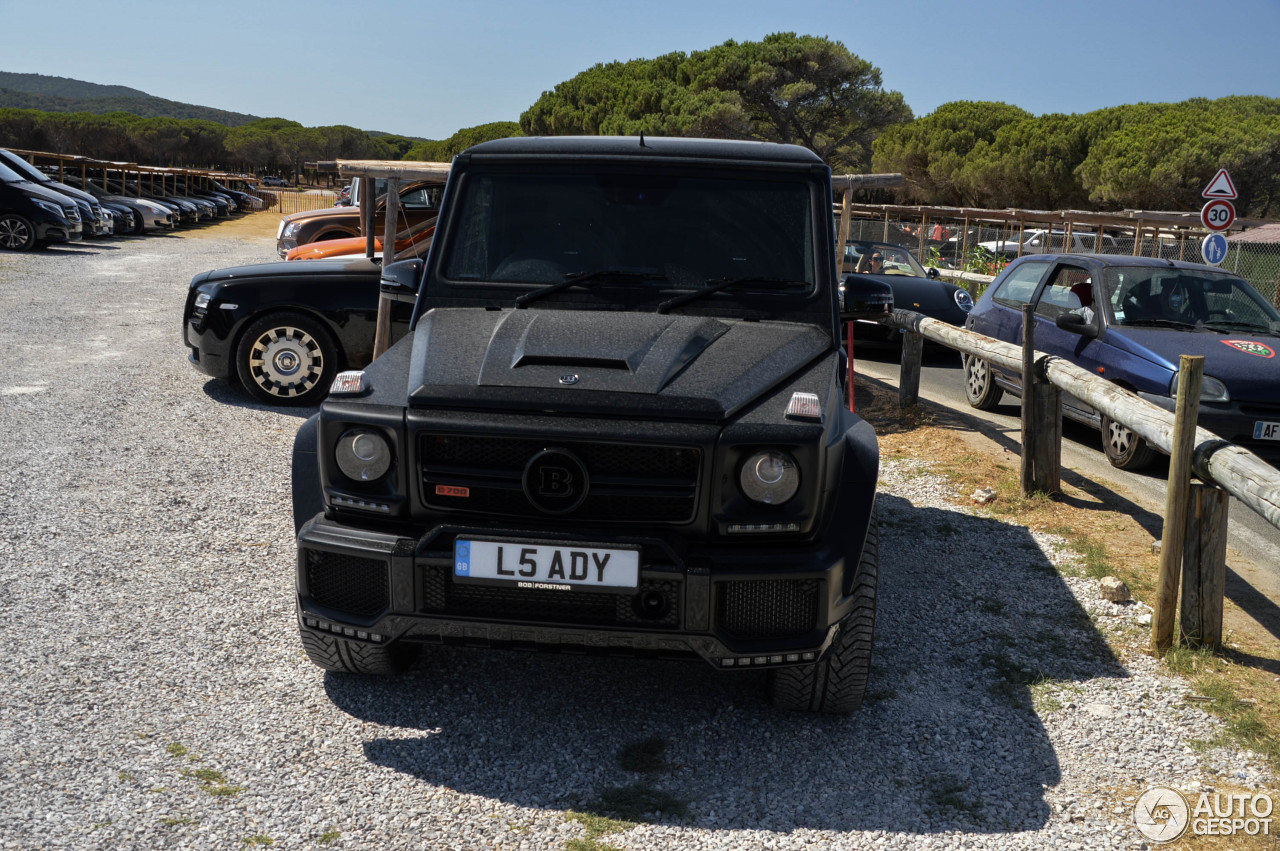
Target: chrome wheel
286, 359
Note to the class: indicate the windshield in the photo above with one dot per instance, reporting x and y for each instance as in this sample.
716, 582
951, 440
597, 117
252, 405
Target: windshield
8, 175
26, 170
681, 230
1153, 296
880, 258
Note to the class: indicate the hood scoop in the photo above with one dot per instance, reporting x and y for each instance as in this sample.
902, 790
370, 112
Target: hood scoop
626, 352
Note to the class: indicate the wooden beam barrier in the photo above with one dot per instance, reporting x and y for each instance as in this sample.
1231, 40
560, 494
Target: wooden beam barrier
1233, 468
1204, 566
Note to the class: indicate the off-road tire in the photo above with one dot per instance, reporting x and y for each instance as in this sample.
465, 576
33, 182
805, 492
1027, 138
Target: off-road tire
1124, 449
980, 386
356, 657
837, 683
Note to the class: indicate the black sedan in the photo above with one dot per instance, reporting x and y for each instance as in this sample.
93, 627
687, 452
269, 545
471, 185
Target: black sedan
284, 330
914, 287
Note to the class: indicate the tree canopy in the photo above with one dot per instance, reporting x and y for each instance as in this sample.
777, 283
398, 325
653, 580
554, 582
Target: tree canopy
805, 90
1139, 156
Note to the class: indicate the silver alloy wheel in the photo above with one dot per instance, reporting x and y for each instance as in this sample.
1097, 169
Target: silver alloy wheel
286, 361
1119, 438
977, 374
15, 233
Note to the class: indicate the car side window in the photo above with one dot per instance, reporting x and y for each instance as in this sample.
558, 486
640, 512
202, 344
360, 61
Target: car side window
1069, 290
1020, 285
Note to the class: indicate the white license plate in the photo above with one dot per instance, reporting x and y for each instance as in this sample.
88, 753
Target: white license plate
558, 567
1266, 431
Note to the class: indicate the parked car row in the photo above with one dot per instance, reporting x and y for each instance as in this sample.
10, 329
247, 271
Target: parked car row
37, 210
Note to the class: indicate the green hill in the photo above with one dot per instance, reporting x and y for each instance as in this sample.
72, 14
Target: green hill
61, 94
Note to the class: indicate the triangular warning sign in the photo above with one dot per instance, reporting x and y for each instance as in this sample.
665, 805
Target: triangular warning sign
1220, 187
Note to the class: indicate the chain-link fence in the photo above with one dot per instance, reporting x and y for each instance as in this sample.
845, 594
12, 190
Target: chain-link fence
985, 247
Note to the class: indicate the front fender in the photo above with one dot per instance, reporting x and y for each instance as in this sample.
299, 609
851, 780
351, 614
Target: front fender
308, 495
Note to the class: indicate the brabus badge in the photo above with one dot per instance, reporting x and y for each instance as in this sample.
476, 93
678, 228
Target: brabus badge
571, 378
1249, 347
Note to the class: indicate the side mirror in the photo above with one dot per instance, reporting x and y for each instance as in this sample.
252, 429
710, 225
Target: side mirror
400, 280
864, 298
1074, 323
932, 272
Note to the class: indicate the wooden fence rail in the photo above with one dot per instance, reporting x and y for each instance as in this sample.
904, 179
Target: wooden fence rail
1235, 469
1194, 535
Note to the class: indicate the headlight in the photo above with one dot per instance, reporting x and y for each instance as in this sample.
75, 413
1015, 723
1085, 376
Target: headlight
48, 205
363, 455
202, 301
770, 477
964, 301
1211, 389
290, 230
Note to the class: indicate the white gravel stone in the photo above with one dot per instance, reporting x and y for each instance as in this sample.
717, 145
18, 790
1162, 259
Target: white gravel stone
146, 576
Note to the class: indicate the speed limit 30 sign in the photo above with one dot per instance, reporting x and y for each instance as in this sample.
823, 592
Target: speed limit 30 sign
1218, 214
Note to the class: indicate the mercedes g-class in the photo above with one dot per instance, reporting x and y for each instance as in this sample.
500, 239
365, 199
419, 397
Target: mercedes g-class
617, 424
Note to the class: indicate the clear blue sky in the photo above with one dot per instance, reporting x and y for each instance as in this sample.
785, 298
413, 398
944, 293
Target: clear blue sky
428, 69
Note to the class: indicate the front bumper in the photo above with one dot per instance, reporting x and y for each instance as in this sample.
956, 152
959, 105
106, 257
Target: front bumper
207, 352
745, 607
1234, 422
285, 245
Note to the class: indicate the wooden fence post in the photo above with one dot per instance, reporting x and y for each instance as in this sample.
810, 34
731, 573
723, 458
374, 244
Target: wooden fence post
1190, 374
1204, 566
909, 377
1028, 406
1041, 420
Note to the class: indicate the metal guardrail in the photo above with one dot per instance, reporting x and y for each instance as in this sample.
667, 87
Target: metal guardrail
1232, 468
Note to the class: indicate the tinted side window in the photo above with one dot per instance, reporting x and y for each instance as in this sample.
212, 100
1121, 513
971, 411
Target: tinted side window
1018, 288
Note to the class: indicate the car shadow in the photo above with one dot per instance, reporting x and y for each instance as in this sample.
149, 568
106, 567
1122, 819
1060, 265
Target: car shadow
946, 740
228, 393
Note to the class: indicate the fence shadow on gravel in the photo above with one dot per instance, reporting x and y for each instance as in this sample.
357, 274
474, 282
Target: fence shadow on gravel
947, 739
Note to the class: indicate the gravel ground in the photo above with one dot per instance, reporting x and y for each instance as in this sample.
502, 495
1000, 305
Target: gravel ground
155, 694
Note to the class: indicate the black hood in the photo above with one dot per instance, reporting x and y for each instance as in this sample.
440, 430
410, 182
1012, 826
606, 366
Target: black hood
618, 363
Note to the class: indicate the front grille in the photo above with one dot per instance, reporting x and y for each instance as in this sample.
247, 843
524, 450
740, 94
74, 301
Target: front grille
629, 483
767, 608
1261, 409
656, 603
72, 213
357, 586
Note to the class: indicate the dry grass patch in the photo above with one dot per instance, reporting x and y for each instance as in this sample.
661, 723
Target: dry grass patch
1241, 683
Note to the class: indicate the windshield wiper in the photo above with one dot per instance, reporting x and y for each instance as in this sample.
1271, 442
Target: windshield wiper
1242, 326
1161, 323
714, 285
613, 273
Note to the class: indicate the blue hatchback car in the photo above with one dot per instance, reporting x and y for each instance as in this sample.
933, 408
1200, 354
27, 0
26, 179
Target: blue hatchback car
1129, 319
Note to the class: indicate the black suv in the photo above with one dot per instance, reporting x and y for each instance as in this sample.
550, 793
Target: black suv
31, 215
617, 425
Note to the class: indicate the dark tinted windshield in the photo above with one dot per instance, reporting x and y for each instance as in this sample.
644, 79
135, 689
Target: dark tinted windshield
1143, 294
8, 175
26, 170
535, 229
